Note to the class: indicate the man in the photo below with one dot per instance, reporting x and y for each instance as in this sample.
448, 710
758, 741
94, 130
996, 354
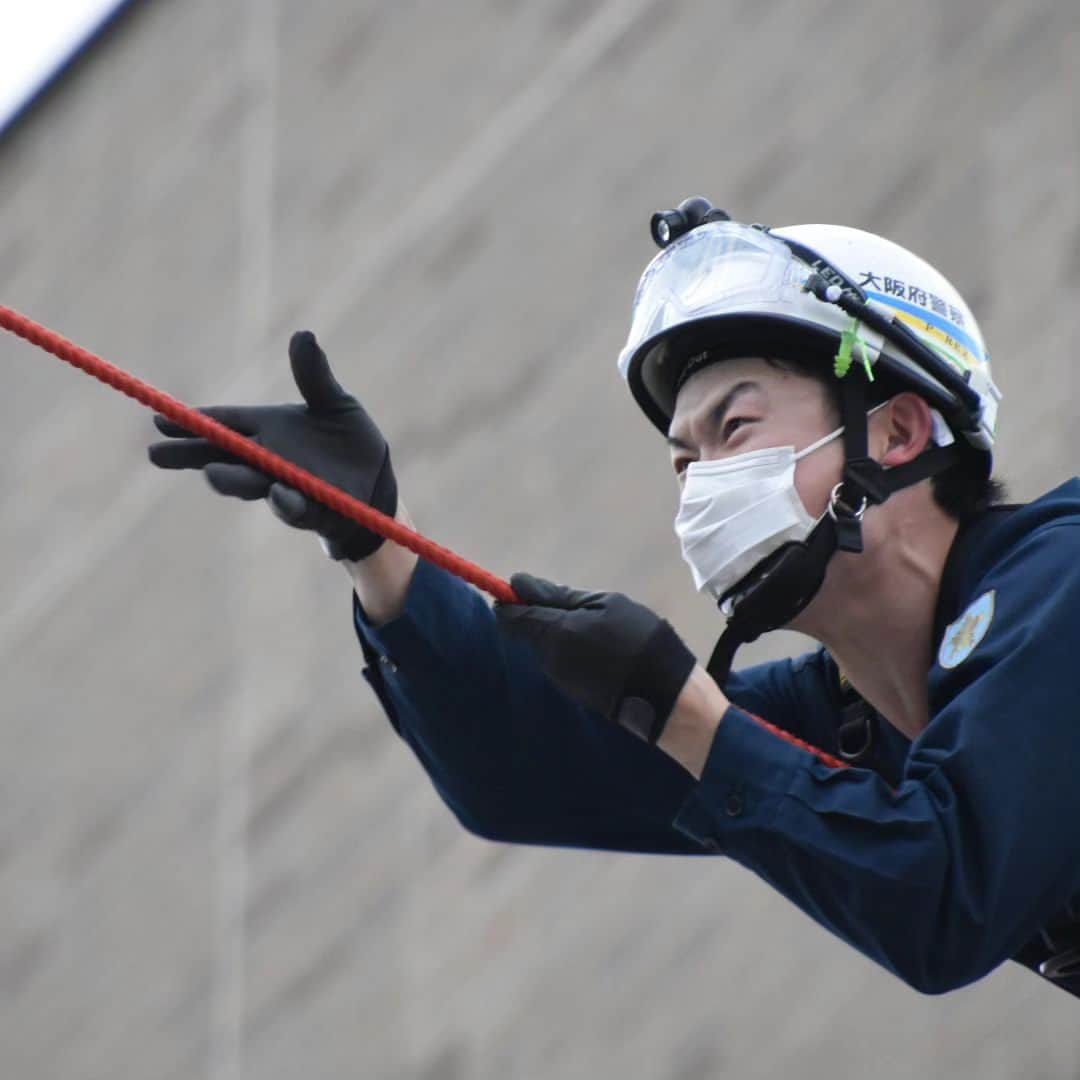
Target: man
830, 412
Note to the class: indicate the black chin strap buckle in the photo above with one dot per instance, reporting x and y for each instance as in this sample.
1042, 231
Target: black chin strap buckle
847, 520
865, 482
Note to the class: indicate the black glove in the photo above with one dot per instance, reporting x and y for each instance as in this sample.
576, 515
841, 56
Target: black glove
603, 650
331, 436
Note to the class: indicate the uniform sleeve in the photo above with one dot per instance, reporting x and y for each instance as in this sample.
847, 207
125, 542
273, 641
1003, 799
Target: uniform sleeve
793, 694
510, 755
945, 876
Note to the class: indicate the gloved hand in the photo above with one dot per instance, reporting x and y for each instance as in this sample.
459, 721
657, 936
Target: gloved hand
602, 649
331, 436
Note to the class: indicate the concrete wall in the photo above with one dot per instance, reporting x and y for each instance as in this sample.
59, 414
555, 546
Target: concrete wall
215, 858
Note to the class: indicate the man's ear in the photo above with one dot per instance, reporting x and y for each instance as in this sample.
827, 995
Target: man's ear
904, 429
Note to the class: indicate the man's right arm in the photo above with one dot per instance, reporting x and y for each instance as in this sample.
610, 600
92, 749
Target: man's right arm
512, 756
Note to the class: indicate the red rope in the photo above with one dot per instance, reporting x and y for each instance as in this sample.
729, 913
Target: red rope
821, 755
269, 462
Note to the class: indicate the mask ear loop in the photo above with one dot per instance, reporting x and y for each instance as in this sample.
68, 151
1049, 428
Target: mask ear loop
817, 445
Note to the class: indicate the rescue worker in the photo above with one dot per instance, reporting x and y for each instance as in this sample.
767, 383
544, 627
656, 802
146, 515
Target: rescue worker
830, 412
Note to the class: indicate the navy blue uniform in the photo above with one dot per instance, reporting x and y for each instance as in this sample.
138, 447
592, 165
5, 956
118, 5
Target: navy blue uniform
938, 858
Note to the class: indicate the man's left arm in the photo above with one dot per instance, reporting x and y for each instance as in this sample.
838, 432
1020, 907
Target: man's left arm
690, 729
945, 876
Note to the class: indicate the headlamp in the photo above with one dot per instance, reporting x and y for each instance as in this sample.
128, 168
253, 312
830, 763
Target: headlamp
667, 226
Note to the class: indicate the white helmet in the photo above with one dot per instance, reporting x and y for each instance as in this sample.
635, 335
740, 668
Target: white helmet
880, 317
724, 289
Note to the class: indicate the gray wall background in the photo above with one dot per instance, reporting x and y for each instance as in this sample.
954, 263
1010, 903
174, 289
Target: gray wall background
215, 858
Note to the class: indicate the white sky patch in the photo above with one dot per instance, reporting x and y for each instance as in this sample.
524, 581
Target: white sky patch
37, 37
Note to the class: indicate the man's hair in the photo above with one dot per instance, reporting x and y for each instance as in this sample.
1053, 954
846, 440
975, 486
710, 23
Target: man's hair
962, 490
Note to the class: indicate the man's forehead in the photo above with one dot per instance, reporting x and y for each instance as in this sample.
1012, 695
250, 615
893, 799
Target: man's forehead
717, 379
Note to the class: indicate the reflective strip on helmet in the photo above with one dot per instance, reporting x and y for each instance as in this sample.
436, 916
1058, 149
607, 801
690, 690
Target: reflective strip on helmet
944, 331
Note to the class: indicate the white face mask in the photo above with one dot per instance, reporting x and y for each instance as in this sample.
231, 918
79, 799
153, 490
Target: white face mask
735, 512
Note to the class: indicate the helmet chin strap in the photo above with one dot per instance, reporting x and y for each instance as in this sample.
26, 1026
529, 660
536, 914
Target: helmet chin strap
783, 583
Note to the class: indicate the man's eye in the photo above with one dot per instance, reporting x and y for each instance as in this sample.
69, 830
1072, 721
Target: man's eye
732, 424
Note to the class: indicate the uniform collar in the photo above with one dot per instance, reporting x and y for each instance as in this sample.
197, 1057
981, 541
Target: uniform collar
968, 537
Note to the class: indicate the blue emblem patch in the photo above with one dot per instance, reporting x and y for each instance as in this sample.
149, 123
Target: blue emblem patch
963, 636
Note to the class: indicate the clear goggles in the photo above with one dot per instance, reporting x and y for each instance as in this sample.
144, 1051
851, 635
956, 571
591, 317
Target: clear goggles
716, 269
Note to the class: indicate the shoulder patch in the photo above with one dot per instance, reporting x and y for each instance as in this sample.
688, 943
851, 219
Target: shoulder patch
963, 636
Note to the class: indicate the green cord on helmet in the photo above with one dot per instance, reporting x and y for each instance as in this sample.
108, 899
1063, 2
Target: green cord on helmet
849, 340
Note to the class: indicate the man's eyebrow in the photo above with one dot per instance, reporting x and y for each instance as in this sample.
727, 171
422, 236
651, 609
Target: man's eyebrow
719, 411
